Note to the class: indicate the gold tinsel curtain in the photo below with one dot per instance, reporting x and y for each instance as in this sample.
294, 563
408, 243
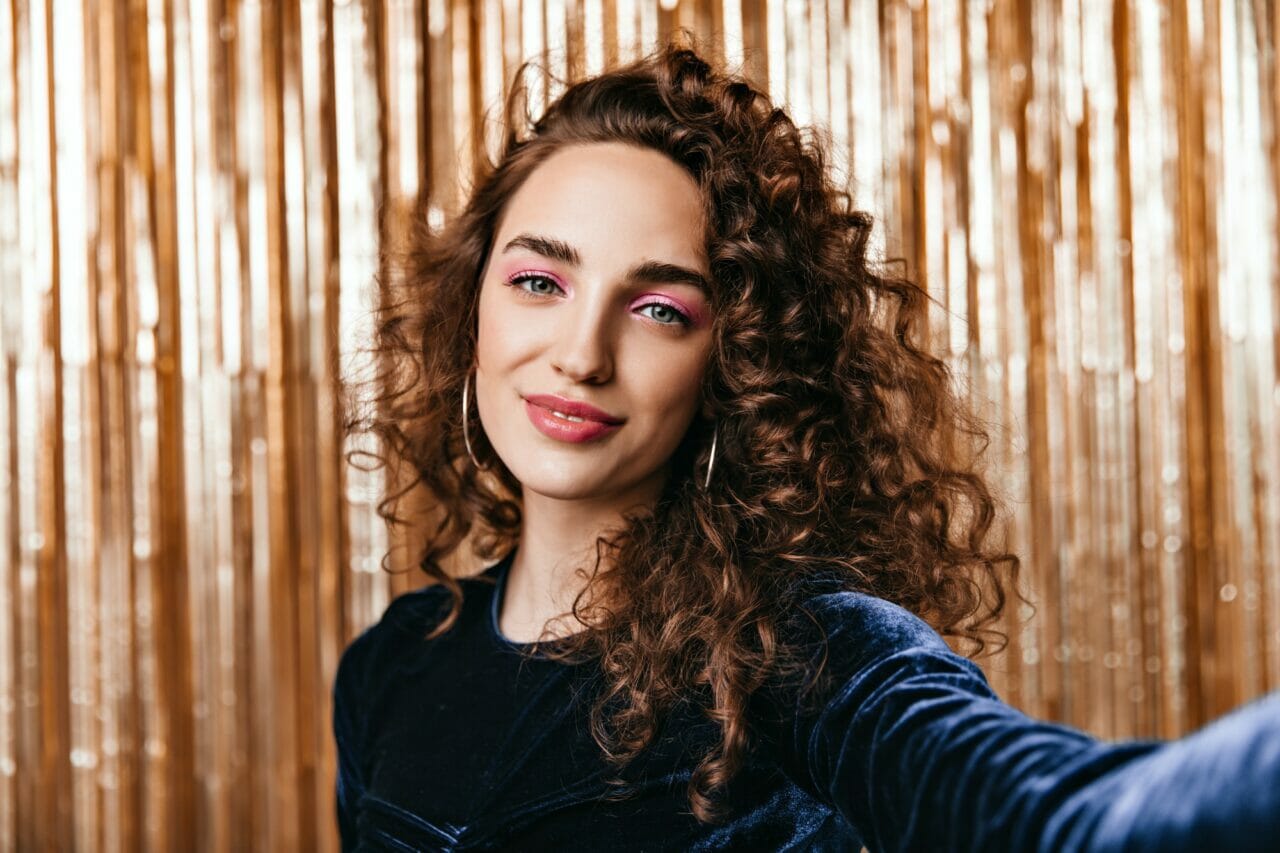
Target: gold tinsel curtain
193, 194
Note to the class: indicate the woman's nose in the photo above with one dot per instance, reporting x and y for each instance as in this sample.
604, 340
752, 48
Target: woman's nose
583, 350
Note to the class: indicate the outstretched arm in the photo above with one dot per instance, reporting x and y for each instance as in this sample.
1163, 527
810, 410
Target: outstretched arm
911, 745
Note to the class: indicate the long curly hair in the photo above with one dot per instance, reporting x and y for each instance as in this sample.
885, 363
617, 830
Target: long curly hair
845, 460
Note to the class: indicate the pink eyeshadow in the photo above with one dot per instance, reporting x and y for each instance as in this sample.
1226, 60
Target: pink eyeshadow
512, 271
696, 316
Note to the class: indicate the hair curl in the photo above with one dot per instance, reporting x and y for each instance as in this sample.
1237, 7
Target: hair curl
839, 436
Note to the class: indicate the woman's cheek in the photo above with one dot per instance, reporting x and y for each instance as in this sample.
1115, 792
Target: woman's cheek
502, 333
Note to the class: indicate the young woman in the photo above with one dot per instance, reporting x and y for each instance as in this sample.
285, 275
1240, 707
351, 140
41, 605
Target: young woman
649, 375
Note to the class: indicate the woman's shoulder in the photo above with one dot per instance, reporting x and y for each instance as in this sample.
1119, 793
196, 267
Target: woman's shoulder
855, 637
405, 624
876, 625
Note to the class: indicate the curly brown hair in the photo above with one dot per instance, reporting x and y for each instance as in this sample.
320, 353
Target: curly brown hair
845, 460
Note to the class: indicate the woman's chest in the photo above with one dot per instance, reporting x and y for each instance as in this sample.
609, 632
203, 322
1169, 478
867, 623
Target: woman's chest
509, 763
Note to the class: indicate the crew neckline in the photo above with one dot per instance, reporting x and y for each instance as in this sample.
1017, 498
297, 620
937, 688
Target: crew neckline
499, 571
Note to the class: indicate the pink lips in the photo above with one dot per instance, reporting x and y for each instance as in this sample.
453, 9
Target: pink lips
595, 422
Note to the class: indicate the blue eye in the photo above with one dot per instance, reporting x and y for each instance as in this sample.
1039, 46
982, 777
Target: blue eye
518, 282
536, 285
668, 317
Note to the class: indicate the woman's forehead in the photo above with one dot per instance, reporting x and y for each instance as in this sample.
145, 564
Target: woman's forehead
608, 200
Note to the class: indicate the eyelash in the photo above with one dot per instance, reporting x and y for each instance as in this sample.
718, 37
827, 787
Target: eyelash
520, 278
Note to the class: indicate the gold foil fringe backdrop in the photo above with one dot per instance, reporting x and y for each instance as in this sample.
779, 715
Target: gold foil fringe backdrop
193, 194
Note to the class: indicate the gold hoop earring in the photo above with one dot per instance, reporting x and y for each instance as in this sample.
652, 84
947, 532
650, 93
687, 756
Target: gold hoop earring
466, 430
715, 435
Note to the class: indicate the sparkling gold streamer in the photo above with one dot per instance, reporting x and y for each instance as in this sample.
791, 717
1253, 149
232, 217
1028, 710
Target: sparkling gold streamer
193, 194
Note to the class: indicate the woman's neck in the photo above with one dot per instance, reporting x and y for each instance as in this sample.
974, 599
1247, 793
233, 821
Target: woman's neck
555, 558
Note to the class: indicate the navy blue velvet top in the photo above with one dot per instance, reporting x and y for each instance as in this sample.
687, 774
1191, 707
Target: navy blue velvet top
465, 743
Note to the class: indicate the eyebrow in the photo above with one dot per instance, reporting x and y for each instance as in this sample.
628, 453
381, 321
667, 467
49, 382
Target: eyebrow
649, 272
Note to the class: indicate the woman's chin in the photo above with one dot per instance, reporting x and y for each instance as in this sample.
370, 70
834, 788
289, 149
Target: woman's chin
569, 483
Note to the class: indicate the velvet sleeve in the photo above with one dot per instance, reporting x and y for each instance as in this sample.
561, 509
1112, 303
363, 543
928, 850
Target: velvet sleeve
909, 743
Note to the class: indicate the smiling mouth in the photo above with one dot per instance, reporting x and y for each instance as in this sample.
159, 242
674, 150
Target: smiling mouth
562, 426
571, 410
570, 418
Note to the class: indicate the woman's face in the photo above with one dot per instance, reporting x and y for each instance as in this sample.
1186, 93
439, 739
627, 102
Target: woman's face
594, 295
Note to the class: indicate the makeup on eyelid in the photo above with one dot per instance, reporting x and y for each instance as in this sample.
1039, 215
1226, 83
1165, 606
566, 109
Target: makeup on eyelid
696, 317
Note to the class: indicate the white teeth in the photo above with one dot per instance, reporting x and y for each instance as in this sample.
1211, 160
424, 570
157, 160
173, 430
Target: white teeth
576, 420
